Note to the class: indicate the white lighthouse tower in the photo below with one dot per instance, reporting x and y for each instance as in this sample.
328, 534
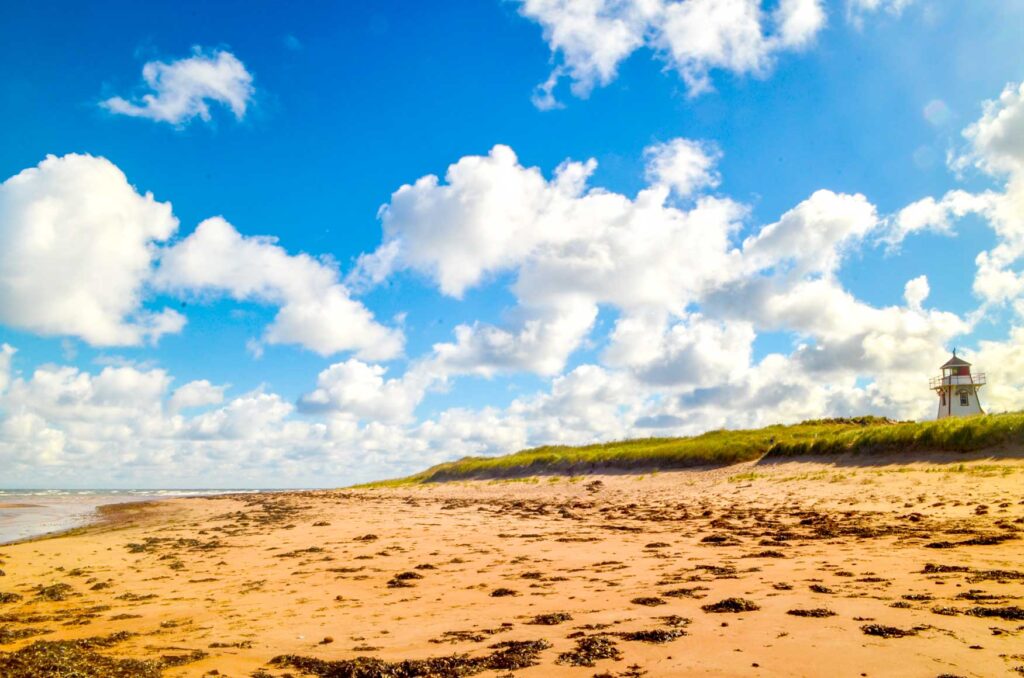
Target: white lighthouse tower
957, 389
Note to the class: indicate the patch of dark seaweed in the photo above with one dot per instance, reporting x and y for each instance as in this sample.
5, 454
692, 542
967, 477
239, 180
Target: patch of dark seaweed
732, 605
766, 554
79, 659
932, 568
590, 649
503, 593
887, 631
813, 612
54, 592
1009, 613
551, 619
649, 601
9, 635
508, 656
685, 592
652, 635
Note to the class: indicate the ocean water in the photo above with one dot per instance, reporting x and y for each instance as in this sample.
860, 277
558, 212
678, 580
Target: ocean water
29, 513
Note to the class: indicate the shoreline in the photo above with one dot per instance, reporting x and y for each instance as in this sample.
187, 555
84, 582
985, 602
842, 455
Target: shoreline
678, 573
55, 512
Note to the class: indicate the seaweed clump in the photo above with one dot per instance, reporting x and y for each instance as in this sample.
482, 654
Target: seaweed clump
1009, 613
551, 619
54, 592
653, 635
813, 612
76, 658
887, 631
732, 605
9, 635
588, 650
509, 655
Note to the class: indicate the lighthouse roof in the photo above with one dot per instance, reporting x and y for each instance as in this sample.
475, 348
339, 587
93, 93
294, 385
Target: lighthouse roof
956, 361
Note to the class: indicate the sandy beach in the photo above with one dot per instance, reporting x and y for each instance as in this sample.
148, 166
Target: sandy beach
790, 568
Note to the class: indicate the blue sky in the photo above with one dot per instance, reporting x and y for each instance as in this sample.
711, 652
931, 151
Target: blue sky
578, 321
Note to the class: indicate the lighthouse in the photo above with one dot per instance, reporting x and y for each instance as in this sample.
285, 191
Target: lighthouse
957, 389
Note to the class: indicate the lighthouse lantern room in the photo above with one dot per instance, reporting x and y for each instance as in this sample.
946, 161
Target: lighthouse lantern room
957, 389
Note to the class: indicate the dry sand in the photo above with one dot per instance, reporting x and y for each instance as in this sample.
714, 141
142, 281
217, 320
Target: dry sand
246, 578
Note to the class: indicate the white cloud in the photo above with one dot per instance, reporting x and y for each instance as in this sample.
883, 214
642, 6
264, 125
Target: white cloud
182, 89
682, 165
6, 354
813, 236
572, 249
693, 351
360, 390
199, 393
541, 342
997, 147
916, 291
1003, 364
78, 246
694, 37
857, 10
937, 216
316, 310
253, 416
997, 138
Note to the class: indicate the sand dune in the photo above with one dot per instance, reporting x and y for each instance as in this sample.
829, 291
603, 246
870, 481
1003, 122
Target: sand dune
789, 568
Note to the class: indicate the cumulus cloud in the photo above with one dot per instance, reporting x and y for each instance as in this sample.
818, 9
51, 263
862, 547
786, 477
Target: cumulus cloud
938, 216
541, 342
916, 291
79, 244
361, 390
692, 352
997, 147
694, 37
316, 309
857, 10
572, 249
6, 353
683, 165
812, 236
182, 90
199, 393
997, 138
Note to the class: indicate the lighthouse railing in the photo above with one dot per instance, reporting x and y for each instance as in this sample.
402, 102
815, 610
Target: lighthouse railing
958, 380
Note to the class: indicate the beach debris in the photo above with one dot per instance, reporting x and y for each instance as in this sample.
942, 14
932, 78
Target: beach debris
590, 649
54, 592
648, 601
551, 619
1010, 613
887, 631
9, 635
403, 579
79, 658
813, 612
652, 635
509, 655
685, 592
732, 605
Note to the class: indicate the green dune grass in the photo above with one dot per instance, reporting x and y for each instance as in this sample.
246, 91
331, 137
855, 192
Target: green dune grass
858, 435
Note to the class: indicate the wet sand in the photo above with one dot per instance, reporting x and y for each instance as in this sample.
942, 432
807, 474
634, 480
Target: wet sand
791, 568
